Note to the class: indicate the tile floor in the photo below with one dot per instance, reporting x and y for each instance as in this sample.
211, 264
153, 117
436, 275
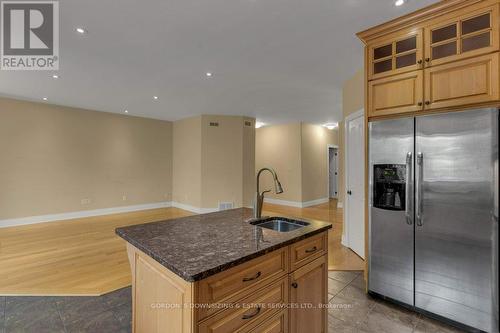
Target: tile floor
351, 311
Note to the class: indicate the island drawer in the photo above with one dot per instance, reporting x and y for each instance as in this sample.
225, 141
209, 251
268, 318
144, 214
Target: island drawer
250, 312
276, 324
307, 250
233, 284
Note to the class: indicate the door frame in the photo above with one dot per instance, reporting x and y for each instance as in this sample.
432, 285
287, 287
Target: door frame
328, 146
345, 235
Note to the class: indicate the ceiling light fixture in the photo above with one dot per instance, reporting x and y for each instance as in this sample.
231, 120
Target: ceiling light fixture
55, 76
155, 98
209, 74
81, 30
259, 124
45, 98
126, 111
331, 126
399, 3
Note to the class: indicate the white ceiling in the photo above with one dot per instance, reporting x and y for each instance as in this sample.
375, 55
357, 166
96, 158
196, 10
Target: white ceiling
277, 60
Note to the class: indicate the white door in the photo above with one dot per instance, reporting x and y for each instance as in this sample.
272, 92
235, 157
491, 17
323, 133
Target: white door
332, 171
355, 184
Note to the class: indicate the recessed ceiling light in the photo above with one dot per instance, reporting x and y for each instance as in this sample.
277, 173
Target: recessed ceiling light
399, 3
331, 126
55, 76
81, 30
259, 124
45, 98
208, 74
155, 98
126, 111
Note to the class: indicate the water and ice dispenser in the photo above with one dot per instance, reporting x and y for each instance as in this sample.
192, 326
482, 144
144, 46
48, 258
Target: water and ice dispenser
389, 186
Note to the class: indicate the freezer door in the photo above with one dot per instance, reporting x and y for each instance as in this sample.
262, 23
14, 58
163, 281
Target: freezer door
391, 144
454, 212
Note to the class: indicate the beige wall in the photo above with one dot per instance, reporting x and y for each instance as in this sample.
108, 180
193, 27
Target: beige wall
298, 153
315, 140
278, 147
353, 99
211, 163
186, 178
52, 157
225, 148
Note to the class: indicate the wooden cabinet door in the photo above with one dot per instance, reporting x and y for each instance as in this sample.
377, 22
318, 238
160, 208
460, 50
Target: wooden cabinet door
396, 94
471, 32
308, 293
460, 83
395, 54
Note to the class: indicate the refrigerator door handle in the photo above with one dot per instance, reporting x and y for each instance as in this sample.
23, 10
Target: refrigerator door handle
418, 190
408, 198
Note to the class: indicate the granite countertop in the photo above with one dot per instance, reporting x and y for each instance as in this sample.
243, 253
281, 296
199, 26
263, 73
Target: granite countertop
199, 246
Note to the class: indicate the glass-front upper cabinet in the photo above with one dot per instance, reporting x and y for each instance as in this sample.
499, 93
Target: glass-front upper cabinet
396, 54
465, 36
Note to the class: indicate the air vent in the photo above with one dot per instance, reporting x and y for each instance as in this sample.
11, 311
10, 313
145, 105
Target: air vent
214, 124
248, 123
225, 205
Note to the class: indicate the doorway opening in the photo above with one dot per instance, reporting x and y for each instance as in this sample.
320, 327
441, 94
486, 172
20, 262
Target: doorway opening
333, 171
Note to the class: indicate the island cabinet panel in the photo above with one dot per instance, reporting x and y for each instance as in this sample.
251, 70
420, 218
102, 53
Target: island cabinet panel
470, 81
241, 280
250, 312
156, 292
309, 286
396, 94
307, 250
467, 33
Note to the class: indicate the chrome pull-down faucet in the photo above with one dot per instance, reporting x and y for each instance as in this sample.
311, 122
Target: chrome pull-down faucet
259, 197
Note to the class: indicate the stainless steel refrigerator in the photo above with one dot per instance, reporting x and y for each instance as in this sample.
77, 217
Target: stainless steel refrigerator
433, 196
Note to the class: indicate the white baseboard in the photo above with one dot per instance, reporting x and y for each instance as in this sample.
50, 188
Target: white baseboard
193, 209
297, 204
343, 241
80, 214
283, 202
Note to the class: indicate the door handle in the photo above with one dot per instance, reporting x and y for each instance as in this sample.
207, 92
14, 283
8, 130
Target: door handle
420, 195
349, 192
408, 202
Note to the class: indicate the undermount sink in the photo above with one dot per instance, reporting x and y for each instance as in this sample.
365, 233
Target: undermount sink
280, 224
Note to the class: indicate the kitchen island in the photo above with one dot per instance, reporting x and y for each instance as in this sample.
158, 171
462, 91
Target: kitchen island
219, 273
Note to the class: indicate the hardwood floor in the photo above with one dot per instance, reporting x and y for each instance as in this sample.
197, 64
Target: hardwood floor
339, 257
85, 257
77, 257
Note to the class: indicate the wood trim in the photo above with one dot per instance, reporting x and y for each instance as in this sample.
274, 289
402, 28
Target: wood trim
417, 17
367, 234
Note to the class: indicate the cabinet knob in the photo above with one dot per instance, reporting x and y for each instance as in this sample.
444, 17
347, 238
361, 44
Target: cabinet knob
427, 102
427, 59
295, 285
420, 103
419, 62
